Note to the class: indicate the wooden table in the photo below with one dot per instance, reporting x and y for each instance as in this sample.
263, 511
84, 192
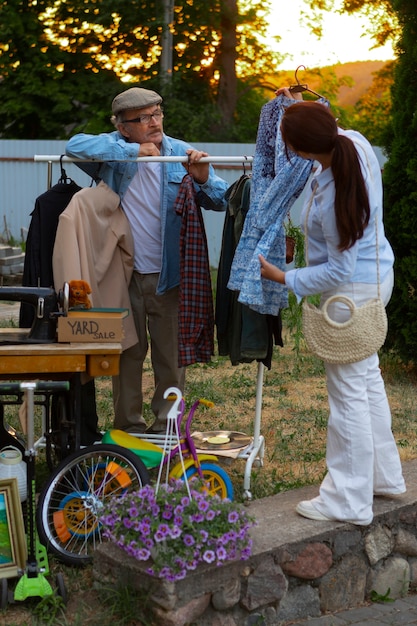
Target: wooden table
44, 359
56, 361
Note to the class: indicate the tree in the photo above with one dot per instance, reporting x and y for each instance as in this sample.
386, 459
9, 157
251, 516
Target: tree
217, 46
372, 112
381, 14
68, 59
398, 19
41, 91
400, 178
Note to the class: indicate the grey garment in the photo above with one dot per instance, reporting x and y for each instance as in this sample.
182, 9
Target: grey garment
156, 317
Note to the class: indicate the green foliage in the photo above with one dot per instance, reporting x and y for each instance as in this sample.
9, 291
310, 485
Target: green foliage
381, 14
372, 112
48, 610
377, 597
400, 179
62, 63
46, 92
292, 315
126, 605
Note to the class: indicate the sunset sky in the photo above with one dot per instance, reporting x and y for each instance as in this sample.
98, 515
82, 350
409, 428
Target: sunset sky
343, 38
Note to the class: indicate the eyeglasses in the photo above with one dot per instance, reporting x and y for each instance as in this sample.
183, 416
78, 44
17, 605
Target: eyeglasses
145, 118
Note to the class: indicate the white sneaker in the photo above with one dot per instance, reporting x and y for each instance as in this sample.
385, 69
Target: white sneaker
390, 494
307, 509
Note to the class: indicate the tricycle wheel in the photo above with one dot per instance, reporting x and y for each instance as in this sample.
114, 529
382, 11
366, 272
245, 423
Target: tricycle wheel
217, 480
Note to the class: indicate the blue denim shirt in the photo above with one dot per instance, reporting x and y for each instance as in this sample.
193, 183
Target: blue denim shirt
118, 169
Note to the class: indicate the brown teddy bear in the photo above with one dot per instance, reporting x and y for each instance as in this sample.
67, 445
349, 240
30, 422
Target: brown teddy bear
78, 294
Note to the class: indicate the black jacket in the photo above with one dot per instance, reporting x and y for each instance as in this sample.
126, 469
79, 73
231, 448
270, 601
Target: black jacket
242, 334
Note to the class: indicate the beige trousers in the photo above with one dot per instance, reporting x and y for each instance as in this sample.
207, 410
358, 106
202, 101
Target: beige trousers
156, 320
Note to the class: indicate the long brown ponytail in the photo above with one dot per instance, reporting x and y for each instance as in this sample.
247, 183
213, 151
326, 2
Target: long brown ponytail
309, 127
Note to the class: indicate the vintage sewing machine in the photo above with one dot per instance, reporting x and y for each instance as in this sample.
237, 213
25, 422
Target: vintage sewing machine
48, 307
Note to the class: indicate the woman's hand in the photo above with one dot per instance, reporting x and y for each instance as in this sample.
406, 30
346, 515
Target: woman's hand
271, 272
293, 95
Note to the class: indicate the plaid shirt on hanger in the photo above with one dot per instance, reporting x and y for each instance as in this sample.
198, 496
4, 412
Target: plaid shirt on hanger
196, 310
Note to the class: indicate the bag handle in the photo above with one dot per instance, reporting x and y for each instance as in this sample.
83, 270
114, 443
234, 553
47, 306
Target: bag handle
339, 298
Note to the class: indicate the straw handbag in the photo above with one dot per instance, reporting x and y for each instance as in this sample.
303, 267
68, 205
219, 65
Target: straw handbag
350, 341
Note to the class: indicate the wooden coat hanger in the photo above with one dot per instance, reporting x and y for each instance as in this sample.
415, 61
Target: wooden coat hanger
301, 87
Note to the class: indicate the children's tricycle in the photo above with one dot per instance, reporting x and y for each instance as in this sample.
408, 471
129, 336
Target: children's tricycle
70, 503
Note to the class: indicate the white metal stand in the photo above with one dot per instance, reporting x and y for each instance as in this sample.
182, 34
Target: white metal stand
172, 435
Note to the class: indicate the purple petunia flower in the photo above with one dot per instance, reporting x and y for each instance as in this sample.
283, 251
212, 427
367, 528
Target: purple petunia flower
133, 511
143, 554
209, 556
159, 536
165, 572
144, 529
221, 554
203, 505
233, 517
175, 532
188, 540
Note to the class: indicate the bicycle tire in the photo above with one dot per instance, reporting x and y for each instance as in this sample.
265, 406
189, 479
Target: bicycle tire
216, 477
70, 502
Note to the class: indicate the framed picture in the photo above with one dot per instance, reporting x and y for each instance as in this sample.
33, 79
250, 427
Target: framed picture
13, 549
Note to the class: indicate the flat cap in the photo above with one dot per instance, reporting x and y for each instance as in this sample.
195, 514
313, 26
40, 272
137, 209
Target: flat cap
134, 98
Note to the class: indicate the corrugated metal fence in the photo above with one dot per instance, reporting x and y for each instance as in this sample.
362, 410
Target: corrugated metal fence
22, 180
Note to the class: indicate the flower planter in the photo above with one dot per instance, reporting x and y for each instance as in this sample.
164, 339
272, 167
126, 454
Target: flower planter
173, 531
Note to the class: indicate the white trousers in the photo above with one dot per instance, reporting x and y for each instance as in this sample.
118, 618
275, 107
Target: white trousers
362, 457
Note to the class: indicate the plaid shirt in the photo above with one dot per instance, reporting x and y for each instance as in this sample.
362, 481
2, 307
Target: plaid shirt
196, 311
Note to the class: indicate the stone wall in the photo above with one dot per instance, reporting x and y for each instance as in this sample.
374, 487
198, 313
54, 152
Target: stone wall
298, 568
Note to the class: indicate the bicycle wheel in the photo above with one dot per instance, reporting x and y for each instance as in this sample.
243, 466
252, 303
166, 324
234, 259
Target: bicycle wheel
70, 503
217, 480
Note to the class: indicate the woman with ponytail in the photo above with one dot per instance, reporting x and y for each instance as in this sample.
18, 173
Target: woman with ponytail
343, 221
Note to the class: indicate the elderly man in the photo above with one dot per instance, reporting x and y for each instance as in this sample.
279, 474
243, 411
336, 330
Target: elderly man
147, 193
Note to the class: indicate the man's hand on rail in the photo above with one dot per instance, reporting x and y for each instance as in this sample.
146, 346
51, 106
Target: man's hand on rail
199, 171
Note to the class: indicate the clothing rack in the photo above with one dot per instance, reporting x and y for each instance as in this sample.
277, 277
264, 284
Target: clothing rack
254, 452
56, 158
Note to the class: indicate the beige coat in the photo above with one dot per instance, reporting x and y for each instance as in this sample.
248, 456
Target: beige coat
94, 243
